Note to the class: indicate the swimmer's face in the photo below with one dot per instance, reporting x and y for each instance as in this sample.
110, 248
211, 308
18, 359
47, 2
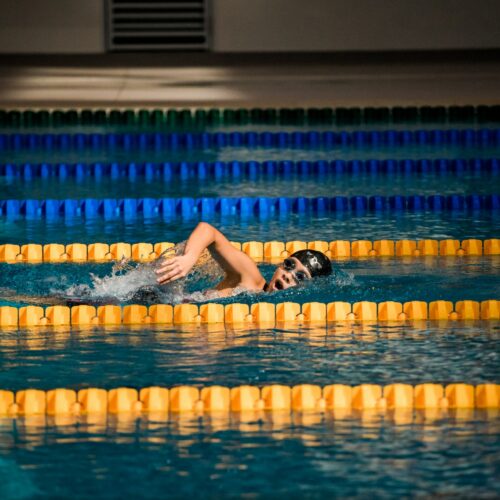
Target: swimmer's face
288, 274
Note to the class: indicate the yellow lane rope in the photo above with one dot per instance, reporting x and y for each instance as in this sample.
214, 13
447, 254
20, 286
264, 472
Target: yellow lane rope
249, 398
244, 315
258, 250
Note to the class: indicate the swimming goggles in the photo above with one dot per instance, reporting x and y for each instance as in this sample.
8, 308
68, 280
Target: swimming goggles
290, 265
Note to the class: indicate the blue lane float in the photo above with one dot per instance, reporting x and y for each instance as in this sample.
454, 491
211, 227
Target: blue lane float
186, 208
249, 169
221, 140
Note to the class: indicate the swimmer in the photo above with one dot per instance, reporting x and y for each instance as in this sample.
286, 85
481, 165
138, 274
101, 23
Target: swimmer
240, 270
240, 273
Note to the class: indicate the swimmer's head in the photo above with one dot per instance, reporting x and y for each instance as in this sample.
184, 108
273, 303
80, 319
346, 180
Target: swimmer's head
299, 267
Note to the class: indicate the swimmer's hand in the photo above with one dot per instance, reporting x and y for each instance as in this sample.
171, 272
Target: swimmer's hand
174, 268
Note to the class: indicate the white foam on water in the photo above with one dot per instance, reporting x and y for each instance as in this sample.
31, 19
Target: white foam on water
127, 279
123, 285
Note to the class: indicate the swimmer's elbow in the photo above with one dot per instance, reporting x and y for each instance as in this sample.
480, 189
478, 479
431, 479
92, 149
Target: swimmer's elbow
204, 228
214, 235
207, 228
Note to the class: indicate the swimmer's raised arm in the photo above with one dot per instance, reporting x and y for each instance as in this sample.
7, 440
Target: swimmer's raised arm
240, 269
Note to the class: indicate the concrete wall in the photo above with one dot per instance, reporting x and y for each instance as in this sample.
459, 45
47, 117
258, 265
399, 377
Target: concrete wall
52, 26
78, 26
349, 25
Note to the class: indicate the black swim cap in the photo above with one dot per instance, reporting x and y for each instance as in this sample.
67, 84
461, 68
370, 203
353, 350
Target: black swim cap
317, 263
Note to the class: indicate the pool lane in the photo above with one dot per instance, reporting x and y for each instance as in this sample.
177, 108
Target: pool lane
46, 358
376, 280
349, 225
293, 185
243, 154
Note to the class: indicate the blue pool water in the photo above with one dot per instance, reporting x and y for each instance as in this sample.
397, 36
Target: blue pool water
251, 154
447, 352
359, 454
311, 186
303, 227
349, 457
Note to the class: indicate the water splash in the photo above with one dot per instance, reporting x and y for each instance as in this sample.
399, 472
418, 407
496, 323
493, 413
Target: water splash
137, 282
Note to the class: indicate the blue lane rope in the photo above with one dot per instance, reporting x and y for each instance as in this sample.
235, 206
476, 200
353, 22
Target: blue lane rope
244, 206
249, 169
219, 140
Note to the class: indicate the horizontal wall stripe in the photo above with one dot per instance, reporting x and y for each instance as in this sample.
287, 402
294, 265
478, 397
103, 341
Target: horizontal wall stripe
221, 140
187, 208
249, 169
257, 250
216, 398
244, 116
244, 315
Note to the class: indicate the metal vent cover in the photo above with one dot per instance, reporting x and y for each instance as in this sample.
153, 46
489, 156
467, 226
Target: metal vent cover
157, 25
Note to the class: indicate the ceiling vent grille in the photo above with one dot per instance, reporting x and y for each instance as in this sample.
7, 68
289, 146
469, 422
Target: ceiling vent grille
152, 25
